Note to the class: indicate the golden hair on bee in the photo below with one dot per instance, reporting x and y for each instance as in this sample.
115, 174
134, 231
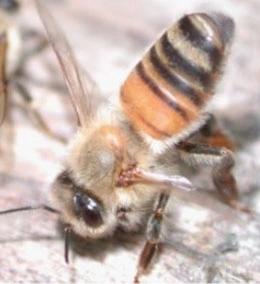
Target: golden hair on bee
112, 178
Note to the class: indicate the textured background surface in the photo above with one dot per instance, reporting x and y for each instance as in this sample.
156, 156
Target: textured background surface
209, 242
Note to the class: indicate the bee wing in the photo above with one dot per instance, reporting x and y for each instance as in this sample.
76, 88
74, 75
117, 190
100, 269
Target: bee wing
3, 90
80, 87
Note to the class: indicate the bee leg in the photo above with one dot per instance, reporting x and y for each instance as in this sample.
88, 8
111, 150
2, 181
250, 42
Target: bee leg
37, 119
153, 236
211, 133
7, 146
221, 160
38, 44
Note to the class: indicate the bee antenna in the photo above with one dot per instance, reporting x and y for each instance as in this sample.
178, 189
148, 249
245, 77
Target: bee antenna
67, 232
27, 208
67, 229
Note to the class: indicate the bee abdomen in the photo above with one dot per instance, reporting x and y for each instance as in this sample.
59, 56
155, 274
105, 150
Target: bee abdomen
169, 87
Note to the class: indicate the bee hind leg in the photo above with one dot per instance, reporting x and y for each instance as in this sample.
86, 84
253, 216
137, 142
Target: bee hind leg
221, 160
212, 133
153, 236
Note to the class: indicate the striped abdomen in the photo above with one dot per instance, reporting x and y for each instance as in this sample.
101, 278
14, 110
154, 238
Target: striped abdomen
168, 88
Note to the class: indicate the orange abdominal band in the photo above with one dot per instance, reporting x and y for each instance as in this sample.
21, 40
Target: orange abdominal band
149, 110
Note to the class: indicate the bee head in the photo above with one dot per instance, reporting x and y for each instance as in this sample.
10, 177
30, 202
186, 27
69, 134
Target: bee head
85, 192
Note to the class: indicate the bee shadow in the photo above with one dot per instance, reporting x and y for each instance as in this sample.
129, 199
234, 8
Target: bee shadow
99, 249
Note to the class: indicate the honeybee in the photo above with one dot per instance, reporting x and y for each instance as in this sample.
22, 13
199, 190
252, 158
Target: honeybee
123, 165
9, 36
13, 58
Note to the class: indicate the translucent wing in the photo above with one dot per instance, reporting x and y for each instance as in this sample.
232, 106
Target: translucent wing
79, 87
3, 91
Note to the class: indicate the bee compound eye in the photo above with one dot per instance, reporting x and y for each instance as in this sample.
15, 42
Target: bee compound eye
89, 209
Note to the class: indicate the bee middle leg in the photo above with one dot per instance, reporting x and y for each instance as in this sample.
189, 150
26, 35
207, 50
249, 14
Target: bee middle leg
153, 236
221, 161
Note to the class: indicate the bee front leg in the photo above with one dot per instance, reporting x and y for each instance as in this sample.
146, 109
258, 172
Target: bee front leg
221, 160
165, 186
153, 236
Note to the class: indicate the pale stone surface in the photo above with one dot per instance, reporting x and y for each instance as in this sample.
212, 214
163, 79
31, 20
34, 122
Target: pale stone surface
209, 242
